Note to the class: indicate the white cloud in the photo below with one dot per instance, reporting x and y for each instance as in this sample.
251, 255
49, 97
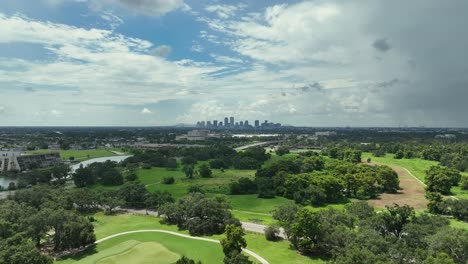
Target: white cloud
225, 11
146, 111
197, 48
113, 20
226, 59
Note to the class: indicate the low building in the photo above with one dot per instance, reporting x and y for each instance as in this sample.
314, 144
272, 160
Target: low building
198, 135
14, 160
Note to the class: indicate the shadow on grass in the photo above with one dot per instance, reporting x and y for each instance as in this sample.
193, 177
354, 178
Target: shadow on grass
91, 250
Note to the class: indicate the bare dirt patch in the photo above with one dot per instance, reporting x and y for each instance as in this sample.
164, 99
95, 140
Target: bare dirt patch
411, 193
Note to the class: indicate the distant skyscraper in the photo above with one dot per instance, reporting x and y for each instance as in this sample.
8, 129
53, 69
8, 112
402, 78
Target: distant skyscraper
202, 123
231, 120
215, 123
220, 124
208, 123
257, 123
246, 122
241, 123
226, 121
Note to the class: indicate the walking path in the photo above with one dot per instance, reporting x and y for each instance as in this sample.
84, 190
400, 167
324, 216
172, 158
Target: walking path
251, 227
412, 190
253, 254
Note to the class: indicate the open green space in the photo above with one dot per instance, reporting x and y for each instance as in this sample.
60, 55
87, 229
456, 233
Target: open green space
219, 183
417, 167
458, 224
80, 155
275, 252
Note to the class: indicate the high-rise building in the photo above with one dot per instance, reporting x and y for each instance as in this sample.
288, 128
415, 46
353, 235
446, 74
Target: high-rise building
257, 123
246, 123
241, 123
208, 123
226, 121
215, 123
202, 123
231, 121
220, 124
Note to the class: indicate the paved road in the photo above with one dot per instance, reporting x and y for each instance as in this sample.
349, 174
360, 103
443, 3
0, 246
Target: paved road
254, 145
251, 227
253, 254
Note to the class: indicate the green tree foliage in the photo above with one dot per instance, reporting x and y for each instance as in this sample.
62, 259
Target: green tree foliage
199, 214
157, 199
134, 195
441, 179
392, 220
453, 242
186, 260
83, 176
168, 180
285, 214
205, 171
188, 170
109, 200
243, 186
399, 154
282, 150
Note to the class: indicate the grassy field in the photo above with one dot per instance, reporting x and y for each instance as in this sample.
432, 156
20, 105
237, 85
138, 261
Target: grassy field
80, 155
275, 252
458, 224
417, 167
219, 183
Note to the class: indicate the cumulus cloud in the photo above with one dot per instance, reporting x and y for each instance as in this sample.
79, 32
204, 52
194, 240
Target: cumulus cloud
162, 51
146, 111
225, 11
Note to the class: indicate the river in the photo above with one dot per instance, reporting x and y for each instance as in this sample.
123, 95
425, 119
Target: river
103, 159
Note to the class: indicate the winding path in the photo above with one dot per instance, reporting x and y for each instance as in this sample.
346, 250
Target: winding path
253, 254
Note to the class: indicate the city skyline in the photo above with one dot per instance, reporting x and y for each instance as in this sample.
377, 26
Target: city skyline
230, 122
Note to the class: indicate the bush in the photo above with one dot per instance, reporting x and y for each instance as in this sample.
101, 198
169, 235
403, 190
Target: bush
168, 180
131, 177
464, 182
195, 189
205, 171
146, 166
272, 233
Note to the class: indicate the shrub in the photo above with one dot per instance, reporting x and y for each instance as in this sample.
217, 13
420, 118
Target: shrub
272, 233
168, 180
131, 177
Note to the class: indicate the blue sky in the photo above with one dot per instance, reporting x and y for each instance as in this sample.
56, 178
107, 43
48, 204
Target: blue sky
163, 62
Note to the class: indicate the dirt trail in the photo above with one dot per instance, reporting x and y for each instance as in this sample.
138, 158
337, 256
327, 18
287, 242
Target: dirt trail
411, 193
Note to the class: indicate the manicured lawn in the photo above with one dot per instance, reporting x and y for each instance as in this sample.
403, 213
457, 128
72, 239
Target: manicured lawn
417, 167
80, 155
142, 248
274, 252
257, 218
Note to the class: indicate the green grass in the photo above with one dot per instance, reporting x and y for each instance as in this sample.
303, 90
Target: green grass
458, 224
274, 252
250, 203
80, 155
417, 167
218, 184
257, 218
165, 248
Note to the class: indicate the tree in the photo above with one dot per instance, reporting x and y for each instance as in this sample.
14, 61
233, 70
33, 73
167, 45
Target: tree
157, 199
172, 163
134, 195
451, 241
131, 177
168, 180
282, 150
205, 171
441, 179
441, 258
186, 260
243, 186
399, 154
188, 170
109, 200
394, 219
436, 202
111, 176
390, 181
83, 176
234, 240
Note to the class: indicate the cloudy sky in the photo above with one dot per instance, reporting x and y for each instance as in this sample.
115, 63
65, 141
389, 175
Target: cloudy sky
162, 62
